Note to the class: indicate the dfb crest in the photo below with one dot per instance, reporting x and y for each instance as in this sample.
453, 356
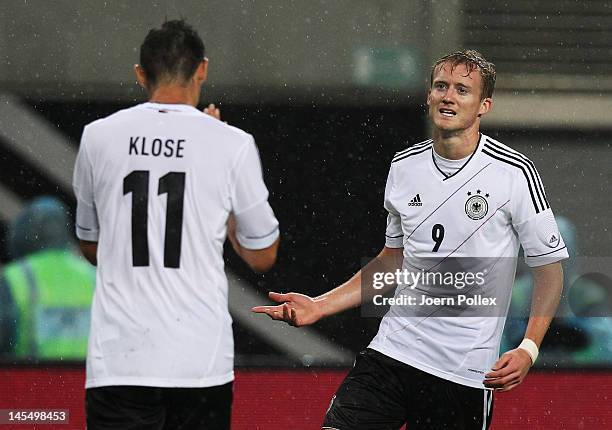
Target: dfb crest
476, 206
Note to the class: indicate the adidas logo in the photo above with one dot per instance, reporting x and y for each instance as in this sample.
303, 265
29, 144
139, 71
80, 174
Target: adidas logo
416, 201
553, 239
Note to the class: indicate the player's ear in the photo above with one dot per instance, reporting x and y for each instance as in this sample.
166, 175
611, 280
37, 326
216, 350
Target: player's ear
428, 97
485, 106
140, 76
201, 73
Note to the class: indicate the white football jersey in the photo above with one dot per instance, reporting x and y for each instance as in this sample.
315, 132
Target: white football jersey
155, 185
476, 219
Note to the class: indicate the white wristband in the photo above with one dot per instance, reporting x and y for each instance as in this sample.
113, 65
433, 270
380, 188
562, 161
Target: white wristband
531, 348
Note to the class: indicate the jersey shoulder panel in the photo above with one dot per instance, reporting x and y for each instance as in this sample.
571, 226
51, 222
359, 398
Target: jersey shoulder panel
226, 129
416, 149
115, 116
232, 136
506, 157
521, 167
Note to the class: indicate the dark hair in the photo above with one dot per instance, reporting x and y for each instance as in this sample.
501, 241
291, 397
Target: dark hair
473, 60
172, 52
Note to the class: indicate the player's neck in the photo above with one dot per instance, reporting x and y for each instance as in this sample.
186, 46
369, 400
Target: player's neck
175, 94
455, 146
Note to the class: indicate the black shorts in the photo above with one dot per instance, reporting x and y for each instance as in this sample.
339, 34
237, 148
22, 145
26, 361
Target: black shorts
153, 408
383, 393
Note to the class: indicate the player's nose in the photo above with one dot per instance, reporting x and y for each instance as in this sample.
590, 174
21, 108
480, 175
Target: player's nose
447, 100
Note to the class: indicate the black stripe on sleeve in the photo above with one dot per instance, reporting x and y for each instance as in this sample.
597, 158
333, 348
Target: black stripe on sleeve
547, 253
531, 176
537, 176
417, 151
523, 169
537, 182
415, 146
531, 165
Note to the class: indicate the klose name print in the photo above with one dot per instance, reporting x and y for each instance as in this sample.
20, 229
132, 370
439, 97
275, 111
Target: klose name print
146, 146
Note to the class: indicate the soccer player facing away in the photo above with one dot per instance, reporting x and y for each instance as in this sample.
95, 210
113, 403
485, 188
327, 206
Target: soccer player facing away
159, 186
464, 196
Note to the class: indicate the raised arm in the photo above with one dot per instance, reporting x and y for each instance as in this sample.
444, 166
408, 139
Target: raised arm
298, 309
512, 367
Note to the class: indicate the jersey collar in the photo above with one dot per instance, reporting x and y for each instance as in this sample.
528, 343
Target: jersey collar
443, 176
169, 107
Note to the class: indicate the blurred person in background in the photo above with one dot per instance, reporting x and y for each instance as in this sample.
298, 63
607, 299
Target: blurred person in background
582, 333
159, 188
590, 300
46, 292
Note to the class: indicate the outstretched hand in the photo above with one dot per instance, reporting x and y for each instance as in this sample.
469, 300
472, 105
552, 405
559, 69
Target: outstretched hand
509, 371
295, 309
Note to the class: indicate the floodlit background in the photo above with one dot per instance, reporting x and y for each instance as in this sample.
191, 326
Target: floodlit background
330, 89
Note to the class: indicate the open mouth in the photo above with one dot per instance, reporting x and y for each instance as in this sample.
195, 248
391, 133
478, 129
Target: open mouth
447, 112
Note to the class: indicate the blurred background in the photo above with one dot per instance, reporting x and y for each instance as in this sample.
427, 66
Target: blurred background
330, 90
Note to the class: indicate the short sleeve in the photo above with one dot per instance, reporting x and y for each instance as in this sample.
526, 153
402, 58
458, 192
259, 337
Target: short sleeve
534, 221
86, 225
256, 225
394, 236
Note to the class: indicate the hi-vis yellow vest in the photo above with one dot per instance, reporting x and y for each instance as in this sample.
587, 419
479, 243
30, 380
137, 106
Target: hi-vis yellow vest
52, 291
